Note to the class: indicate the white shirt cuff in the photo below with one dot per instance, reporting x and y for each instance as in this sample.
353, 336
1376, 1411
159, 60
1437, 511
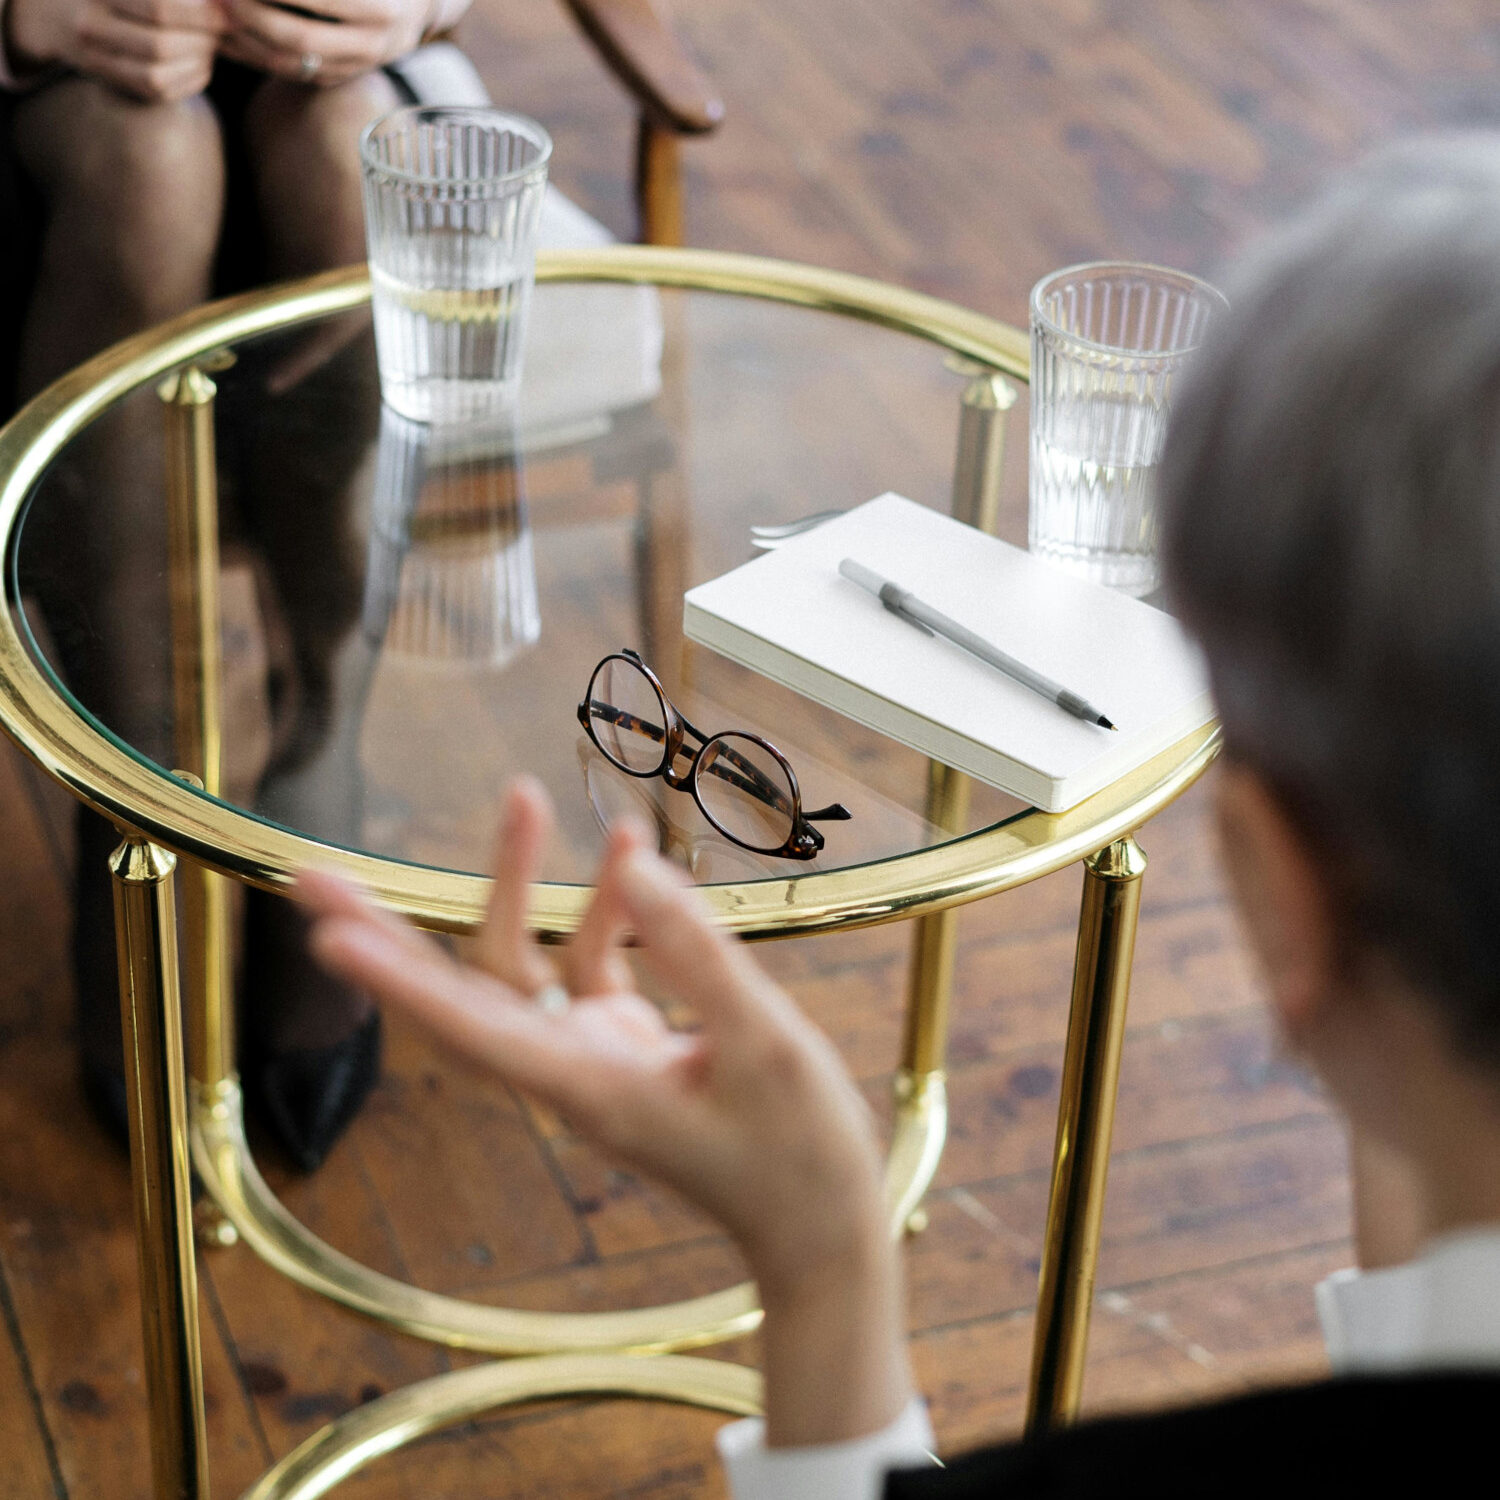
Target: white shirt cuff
1352, 1321
854, 1470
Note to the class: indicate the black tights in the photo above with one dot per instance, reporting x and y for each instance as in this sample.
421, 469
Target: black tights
133, 200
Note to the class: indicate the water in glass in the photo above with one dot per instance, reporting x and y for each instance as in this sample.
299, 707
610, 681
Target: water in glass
1106, 343
452, 203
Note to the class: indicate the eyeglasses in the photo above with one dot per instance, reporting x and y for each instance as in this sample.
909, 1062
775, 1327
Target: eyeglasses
706, 853
742, 784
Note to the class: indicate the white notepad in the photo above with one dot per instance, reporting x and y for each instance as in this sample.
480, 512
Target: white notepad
790, 616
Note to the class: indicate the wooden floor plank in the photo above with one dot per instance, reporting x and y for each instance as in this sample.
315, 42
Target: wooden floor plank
595, 1450
1188, 1206
302, 1360
1180, 1081
67, 1249
963, 147
1186, 1337
507, 1212
29, 1468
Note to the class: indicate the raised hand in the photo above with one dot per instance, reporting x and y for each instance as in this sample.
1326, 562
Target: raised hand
751, 1115
325, 42
155, 50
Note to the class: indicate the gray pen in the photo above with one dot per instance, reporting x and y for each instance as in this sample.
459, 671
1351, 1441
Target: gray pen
906, 606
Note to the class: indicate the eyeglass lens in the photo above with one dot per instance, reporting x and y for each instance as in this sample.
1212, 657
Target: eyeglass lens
745, 792
627, 717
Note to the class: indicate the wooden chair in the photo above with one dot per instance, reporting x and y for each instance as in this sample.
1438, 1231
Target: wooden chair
673, 97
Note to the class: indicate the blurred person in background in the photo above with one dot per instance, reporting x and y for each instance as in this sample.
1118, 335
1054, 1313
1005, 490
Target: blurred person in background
1331, 535
154, 153
161, 150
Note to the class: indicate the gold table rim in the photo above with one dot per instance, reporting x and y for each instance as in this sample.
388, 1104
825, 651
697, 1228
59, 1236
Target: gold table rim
237, 843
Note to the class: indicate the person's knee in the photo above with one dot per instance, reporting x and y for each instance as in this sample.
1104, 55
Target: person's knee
83, 142
303, 145
137, 187
290, 128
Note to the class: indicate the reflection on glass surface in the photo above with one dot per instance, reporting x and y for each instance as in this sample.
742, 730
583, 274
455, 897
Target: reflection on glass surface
700, 850
410, 614
450, 574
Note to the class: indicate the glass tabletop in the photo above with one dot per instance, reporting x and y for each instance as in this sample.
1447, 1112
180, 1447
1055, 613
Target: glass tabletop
409, 614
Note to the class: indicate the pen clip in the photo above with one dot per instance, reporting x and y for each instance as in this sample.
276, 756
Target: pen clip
894, 599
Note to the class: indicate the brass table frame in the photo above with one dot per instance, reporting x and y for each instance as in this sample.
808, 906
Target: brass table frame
177, 1111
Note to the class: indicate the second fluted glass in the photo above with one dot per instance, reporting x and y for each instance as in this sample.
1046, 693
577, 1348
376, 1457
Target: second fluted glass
1107, 341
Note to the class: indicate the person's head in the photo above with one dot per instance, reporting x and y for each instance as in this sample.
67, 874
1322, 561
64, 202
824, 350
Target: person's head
1330, 513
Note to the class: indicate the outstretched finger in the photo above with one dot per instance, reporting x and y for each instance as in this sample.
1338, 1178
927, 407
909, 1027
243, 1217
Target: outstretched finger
470, 1011
505, 948
593, 962
325, 894
685, 951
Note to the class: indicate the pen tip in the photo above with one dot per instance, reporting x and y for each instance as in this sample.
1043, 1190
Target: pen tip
1105, 722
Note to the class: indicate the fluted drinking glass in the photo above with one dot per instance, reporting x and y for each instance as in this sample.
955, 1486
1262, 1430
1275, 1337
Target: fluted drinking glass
453, 197
1107, 342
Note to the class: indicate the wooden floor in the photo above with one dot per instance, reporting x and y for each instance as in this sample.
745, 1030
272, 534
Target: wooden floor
963, 147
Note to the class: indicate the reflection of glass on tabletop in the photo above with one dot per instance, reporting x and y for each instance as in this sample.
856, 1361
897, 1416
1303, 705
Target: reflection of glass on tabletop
881, 828
450, 574
708, 855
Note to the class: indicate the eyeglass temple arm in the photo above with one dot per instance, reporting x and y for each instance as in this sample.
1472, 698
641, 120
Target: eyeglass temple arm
835, 812
594, 708
749, 779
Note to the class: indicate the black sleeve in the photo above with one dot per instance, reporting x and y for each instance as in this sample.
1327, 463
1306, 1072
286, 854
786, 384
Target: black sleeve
1353, 1437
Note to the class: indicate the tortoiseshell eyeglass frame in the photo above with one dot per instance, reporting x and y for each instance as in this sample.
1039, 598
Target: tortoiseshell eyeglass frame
803, 842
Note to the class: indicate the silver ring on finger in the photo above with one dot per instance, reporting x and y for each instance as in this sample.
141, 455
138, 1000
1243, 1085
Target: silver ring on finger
552, 1000
311, 63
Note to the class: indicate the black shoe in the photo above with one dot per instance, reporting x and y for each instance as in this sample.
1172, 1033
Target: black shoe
309, 1097
96, 978
306, 1094
104, 1089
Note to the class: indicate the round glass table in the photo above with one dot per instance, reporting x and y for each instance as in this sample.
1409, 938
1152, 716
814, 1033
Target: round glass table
258, 621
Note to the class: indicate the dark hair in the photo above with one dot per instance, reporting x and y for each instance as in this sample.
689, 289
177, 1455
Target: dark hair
1330, 513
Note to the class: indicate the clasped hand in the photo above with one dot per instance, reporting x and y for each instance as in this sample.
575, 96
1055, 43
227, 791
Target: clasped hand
165, 49
348, 37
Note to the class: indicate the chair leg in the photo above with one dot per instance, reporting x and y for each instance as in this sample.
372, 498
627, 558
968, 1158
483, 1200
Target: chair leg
658, 184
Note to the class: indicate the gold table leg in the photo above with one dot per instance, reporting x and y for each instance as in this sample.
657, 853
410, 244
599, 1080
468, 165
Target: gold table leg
924, 1046
987, 397
1085, 1122
658, 183
193, 573
193, 569
151, 1014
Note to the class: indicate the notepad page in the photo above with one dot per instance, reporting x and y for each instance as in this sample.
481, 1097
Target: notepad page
834, 641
